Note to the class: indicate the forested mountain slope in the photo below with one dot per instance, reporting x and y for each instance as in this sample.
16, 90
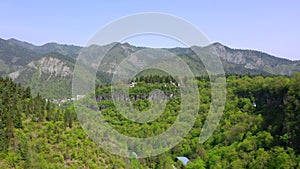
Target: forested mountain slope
23, 62
259, 127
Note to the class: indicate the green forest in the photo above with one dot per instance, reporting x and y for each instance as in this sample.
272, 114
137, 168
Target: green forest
260, 127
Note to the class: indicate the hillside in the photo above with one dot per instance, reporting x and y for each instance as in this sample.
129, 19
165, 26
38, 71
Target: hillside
33, 65
259, 127
34, 133
50, 75
253, 61
13, 56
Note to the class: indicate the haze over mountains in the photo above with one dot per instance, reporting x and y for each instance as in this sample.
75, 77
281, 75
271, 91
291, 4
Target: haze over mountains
48, 68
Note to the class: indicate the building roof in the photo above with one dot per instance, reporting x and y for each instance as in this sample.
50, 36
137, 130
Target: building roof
184, 160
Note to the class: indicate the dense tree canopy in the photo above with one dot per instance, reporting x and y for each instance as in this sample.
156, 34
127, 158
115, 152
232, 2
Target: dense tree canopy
260, 127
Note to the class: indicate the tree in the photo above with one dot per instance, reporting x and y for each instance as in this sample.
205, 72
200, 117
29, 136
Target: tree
196, 164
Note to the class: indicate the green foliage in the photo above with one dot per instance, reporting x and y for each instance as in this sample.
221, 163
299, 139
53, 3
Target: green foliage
259, 127
197, 164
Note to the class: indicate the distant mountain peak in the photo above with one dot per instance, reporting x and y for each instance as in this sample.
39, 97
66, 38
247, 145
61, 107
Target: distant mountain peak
217, 44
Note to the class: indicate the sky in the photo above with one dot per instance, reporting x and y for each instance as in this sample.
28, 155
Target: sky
270, 26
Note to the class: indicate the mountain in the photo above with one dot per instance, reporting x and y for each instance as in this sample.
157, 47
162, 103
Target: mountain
13, 56
253, 61
67, 50
51, 75
49, 67
235, 61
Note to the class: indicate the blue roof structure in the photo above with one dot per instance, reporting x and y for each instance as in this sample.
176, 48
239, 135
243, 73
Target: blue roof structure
184, 160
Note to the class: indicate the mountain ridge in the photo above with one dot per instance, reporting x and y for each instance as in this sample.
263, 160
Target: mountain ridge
30, 45
24, 61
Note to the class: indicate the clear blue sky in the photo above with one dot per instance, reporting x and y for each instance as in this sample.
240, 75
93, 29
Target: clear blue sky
269, 26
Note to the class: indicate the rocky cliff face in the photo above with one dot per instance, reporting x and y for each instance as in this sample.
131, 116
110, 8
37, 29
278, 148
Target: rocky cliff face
253, 61
54, 67
48, 66
232, 57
